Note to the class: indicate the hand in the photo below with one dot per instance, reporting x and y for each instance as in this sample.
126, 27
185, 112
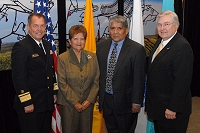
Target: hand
135, 108
170, 114
29, 109
85, 104
78, 107
54, 98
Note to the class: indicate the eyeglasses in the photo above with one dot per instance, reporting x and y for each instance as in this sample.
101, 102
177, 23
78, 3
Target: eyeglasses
164, 25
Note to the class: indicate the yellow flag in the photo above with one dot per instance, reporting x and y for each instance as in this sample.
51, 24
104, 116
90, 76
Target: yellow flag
90, 44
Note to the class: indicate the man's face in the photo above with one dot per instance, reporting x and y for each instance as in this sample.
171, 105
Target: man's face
37, 28
166, 28
117, 31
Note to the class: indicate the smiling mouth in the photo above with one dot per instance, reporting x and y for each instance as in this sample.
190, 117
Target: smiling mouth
163, 32
39, 33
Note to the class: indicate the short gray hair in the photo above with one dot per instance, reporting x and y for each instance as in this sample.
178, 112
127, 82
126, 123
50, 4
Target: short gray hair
172, 14
119, 19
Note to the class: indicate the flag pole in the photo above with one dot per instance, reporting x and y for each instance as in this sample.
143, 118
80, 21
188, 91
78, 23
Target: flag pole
61, 25
121, 7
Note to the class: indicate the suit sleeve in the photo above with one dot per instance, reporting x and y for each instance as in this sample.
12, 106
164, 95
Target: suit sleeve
20, 73
139, 66
182, 75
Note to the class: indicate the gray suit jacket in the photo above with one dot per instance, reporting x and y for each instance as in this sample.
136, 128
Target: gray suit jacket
129, 75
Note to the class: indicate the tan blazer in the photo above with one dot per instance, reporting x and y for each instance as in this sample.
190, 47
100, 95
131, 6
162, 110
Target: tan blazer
77, 81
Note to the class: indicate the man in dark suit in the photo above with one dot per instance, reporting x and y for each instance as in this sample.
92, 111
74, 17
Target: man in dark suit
121, 93
168, 99
34, 78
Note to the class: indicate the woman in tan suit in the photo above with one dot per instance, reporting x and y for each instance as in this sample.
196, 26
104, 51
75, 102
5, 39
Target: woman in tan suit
78, 80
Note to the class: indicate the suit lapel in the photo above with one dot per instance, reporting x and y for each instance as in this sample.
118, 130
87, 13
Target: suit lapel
122, 55
162, 53
153, 50
47, 50
104, 54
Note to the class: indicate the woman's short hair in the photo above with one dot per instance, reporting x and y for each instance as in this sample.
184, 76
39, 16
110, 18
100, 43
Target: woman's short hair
74, 30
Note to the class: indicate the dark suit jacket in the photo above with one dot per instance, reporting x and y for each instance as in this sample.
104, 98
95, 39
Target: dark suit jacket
32, 75
168, 79
129, 75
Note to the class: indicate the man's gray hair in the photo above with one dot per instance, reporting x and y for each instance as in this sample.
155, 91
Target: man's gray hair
119, 19
172, 14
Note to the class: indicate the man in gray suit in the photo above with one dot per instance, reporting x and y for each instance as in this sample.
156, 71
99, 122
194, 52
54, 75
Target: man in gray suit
168, 99
122, 84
